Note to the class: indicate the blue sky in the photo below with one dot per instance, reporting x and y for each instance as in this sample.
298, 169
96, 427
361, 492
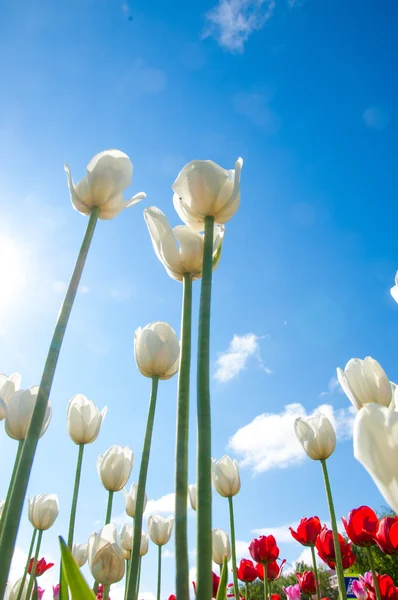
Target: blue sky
306, 93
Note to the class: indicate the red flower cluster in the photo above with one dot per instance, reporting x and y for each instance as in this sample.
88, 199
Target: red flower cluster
386, 536
361, 526
100, 593
274, 571
307, 582
216, 582
388, 591
264, 549
246, 571
325, 547
41, 566
307, 531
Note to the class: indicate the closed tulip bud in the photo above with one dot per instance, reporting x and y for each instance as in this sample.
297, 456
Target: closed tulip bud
13, 589
221, 546
126, 537
79, 552
316, 435
19, 413
114, 467
8, 385
225, 476
84, 419
56, 591
105, 556
192, 492
292, 592
43, 510
203, 189
144, 544
131, 500
160, 529
157, 350
394, 289
2, 505
180, 249
108, 174
364, 382
126, 554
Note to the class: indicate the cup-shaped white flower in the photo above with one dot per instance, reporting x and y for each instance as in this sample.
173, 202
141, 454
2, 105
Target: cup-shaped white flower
84, 419
105, 556
192, 494
8, 385
43, 510
2, 505
394, 289
114, 467
203, 189
131, 500
144, 545
160, 529
126, 537
365, 381
108, 174
13, 589
180, 249
221, 546
80, 553
225, 476
157, 350
19, 413
316, 435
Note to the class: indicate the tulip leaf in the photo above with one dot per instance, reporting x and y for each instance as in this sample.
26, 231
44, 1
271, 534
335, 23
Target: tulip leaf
222, 584
216, 257
77, 585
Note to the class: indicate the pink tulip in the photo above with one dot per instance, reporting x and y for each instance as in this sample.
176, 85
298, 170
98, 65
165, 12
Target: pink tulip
367, 579
292, 592
359, 589
56, 591
40, 593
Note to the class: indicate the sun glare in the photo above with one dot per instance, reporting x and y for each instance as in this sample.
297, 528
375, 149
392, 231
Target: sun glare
12, 276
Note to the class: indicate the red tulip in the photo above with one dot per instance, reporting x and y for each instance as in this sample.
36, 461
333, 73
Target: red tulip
325, 547
386, 536
246, 571
307, 531
216, 582
264, 549
41, 566
307, 582
274, 571
361, 526
275, 597
172, 597
388, 591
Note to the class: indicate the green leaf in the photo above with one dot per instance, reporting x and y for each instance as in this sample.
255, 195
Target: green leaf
77, 585
222, 586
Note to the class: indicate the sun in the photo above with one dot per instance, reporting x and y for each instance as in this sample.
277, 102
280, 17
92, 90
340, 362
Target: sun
12, 276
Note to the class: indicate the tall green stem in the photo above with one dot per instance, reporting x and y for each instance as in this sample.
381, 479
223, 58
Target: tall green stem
25, 573
72, 518
246, 591
318, 590
14, 509
139, 577
339, 562
203, 546
14, 470
374, 576
105, 595
33, 570
265, 582
233, 547
134, 564
126, 578
108, 515
181, 483
159, 572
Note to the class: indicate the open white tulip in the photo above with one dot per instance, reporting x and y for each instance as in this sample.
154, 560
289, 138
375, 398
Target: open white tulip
160, 529
12, 590
84, 419
114, 467
19, 413
316, 435
80, 553
131, 500
108, 174
144, 544
394, 290
43, 510
180, 249
8, 385
157, 350
2, 505
365, 381
221, 546
203, 189
225, 476
105, 556
192, 493
126, 537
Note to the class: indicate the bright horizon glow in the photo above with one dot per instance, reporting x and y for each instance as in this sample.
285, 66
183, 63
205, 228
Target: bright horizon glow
12, 271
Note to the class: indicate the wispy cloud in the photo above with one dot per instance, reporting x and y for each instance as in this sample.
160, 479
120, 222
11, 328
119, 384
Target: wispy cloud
165, 504
376, 117
234, 360
333, 386
231, 22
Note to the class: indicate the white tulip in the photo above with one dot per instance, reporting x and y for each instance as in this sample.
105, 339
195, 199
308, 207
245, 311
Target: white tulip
144, 544
84, 419
131, 500
225, 476
203, 188
157, 350
192, 492
8, 385
105, 556
12, 590
108, 174
126, 537
2, 505
126, 554
43, 510
180, 249
19, 413
114, 467
80, 552
160, 529
394, 290
316, 435
365, 381
221, 546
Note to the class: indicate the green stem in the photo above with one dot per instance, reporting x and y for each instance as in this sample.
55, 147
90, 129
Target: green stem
339, 562
105, 595
265, 581
374, 576
181, 483
134, 564
318, 590
204, 551
246, 591
159, 572
33, 571
233, 548
126, 578
75, 496
14, 470
109, 508
13, 512
25, 573
139, 576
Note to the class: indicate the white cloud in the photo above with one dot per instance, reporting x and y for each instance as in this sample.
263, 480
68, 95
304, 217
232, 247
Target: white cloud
165, 504
168, 553
306, 557
234, 360
281, 534
376, 117
118, 594
269, 442
333, 386
231, 22
242, 549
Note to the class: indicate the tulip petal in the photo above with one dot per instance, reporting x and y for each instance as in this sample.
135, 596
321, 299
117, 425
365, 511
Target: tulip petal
109, 173
163, 240
82, 206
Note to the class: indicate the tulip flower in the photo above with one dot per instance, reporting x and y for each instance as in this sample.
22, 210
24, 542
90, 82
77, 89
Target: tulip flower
192, 492
105, 557
264, 549
43, 511
386, 536
126, 537
41, 566
225, 476
221, 546
172, 597
394, 289
307, 531
316, 435
292, 592
307, 582
56, 591
8, 385
359, 589
247, 572
326, 549
130, 499
159, 530
386, 585
84, 419
12, 591
144, 544
275, 597
114, 467
215, 584
157, 350
19, 413
180, 249
364, 382
361, 526
80, 554
274, 571
203, 189
108, 174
